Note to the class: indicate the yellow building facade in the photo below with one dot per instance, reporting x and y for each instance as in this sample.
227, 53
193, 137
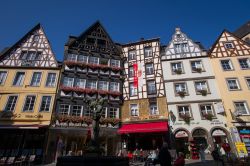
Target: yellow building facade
230, 59
29, 75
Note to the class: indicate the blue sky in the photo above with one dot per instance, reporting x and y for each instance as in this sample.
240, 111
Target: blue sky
125, 21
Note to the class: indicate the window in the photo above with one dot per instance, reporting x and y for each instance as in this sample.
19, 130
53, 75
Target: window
82, 58
176, 67
68, 81
131, 71
134, 110
229, 45
18, 81
179, 48
80, 83
180, 87
72, 57
226, 65
151, 87
184, 111
11, 103
36, 78
244, 63
149, 68
200, 85
3, 75
76, 110
64, 109
113, 112
248, 81
153, 109
206, 109
196, 66
93, 60
132, 89
241, 107
114, 63
91, 84
51, 80
148, 52
114, 86
35, 38
87, 112
103, 85
45, 105
29, 103
233, 84
131, 55
104, 112
30, 56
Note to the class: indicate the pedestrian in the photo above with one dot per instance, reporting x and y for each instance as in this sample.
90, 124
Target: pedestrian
216, 156
202, 152
164, 156
180, 161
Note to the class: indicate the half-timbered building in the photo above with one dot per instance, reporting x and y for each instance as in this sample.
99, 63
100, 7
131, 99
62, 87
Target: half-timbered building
144, 112
91, 70
230, 59
193, 99
28, 83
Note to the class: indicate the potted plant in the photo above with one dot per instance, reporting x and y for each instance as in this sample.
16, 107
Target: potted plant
181, 93
209, 116
203, 92
186, 118
178, 71
198, 69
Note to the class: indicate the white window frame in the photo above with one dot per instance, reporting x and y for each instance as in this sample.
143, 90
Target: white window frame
29, 104
114, 86
244, 67
84, 59
13, 103
103, 85
229, 45
35, 83
70, 81
133, 91
132, 54
181, 86
114, 63
200, 85
76, 113
134, 112
229, 64
91, 84
245, 106
116, 112
94, 58
248, 81
80, 83
51, 82
197, 64
175, 66
184, 112
151, 84
236, 81
46, 102
149, 69
148, 52
206, 110
60, 109
104, 112
3, 76
21, 81
72, 57
152, 106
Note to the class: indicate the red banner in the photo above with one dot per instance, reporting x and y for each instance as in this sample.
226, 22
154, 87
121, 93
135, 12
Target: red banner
135, 66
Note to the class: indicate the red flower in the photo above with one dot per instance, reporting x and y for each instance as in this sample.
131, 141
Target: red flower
114, 93
66, 88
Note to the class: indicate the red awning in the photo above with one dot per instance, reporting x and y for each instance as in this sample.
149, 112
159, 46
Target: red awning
144, 128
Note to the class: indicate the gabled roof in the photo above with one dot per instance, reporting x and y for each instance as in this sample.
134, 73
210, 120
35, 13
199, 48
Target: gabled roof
243, 30
72, 39
217, 40
38, 26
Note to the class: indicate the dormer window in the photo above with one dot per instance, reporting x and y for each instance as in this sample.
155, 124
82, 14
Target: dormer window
229, 45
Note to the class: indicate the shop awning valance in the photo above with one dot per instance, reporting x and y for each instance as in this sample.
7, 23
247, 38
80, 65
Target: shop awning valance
144, 128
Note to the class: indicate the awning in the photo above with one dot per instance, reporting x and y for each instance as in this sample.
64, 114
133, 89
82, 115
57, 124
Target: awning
35, 126
144, 127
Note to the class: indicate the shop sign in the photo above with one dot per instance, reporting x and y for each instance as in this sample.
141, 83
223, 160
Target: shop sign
244, 131
70, 124
8, 114
218, 132
181, 134
34, 116
235, 134
241, 149
216, 122
191, 123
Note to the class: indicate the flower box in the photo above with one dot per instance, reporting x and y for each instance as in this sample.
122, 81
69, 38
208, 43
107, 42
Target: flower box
66, 88
186, 118
198, 69
208, 116
203, 92
114, 93
181, 93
